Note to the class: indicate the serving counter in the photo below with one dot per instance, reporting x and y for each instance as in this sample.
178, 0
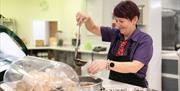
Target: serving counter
66, 48
108, 85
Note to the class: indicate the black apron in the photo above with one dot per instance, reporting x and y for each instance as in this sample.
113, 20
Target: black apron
130, 78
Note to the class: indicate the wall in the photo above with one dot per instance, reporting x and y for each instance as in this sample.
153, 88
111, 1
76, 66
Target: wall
24, 12
173, 4
154, 29
108, 6
17, 9
94, 8
69, 27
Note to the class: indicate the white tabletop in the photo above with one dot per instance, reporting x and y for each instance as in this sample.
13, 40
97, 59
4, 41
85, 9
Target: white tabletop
109, 84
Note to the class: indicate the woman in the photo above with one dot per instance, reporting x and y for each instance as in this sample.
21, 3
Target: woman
130, 50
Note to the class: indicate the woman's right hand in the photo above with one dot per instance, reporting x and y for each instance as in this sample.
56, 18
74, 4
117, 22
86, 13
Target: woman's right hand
96, 66
81, 18
90, 25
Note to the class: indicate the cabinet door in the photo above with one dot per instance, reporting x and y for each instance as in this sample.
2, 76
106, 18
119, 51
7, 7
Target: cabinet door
170, 76
169, 84
170, 66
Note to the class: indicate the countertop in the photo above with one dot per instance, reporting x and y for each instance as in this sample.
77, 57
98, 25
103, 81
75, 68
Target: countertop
165, 53
67, 48
109, 85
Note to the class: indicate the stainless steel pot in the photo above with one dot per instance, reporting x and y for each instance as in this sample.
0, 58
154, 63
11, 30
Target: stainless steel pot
129, 89
90, 83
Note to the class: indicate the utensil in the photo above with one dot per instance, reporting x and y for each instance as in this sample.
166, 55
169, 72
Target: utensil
78, 61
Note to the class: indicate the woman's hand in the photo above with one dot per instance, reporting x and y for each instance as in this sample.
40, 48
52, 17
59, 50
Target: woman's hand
96, 66
81, 18
89, 23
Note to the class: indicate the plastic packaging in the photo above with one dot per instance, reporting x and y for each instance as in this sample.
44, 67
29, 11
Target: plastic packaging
36, 74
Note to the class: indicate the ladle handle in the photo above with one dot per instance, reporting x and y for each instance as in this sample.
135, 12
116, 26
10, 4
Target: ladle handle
77, 42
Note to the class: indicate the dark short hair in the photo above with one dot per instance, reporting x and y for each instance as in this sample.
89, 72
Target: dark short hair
126, 9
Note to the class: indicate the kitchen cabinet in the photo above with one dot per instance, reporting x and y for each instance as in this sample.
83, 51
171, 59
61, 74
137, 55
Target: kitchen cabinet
170, 71
43, 53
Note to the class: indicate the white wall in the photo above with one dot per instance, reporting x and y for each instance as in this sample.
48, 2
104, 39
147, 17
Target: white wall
108, 6
154, 29
69, 25
173, 4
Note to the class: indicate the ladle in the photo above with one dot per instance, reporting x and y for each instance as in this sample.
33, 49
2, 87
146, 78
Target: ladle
78, 61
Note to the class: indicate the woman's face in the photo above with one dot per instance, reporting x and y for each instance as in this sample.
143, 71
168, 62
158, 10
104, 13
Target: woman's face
126, 26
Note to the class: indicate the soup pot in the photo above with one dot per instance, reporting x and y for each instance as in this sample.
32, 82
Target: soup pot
90, 83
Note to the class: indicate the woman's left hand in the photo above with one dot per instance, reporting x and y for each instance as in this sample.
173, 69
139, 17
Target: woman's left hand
97, 66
